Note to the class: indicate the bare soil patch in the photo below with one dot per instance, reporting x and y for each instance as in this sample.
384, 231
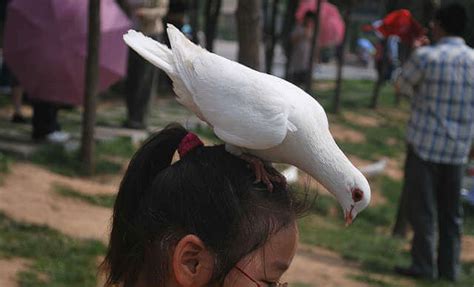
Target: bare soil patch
467, 253
28, 195
394, 169
324, 85
394, 114
315, 266
366, 121
8, 270
345, 134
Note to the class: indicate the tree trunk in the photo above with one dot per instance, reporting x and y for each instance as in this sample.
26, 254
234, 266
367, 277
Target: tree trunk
124, 6
91, 88
341, 58
249, 32
212, 10
288, 25
314, 41
380, 76
391, 5
270, 35
193, 19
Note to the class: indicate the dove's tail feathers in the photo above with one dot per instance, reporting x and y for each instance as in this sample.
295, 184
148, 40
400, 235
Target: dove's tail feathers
184, 54
156, 53
179, 41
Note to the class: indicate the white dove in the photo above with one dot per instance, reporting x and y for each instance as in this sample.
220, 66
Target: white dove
257, 114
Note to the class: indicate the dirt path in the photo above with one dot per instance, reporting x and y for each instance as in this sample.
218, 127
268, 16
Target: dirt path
314, 266
341, 133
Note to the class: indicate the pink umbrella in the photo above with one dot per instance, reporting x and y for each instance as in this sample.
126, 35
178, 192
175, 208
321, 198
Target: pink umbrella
332, 26
46, 42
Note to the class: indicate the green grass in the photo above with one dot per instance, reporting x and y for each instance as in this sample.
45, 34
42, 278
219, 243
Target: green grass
205, 132
5, 162
368, 242
369, 279
56, 260
468, 219
65, 162
376, 145
99, 200
367, 238
118, 147
59, 160
356, 95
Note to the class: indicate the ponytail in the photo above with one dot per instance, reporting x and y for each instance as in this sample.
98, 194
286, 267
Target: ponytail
155, 155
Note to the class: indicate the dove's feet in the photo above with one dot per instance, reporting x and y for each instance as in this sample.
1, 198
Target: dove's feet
264, 173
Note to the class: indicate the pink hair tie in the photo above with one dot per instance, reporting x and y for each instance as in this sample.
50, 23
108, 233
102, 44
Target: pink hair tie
188, 143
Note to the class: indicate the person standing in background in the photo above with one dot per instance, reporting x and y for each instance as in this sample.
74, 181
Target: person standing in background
147, 18
440, 80
8, 82
176, 16
301, 37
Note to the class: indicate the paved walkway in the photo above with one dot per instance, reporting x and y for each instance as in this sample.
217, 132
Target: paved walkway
229, 50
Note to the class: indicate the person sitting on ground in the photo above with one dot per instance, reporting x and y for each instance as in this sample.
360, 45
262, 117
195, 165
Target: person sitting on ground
200, 221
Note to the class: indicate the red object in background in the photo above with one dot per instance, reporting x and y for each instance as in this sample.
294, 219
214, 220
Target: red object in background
332, 26
46, 42
398, 23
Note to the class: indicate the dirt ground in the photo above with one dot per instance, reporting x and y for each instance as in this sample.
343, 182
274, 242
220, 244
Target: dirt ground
9, 268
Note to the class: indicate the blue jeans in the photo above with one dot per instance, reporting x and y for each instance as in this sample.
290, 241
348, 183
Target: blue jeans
433, 195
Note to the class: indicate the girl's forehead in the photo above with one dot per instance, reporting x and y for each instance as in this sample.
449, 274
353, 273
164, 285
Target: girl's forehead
276, 255
281, 247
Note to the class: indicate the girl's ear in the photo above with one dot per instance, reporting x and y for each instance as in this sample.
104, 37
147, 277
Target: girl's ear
192, 262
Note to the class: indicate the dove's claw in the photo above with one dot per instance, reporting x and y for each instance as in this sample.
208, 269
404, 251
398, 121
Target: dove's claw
264, 174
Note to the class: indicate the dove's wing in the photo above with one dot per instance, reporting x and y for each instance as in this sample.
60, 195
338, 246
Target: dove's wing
245, 108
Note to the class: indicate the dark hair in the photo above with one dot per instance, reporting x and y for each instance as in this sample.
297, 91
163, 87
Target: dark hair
452, 18
209, 193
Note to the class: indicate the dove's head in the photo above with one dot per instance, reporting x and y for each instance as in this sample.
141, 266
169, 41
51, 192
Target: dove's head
353, 194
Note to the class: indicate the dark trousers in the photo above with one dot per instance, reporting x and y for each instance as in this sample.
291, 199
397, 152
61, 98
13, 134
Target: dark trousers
45, 119
140, 76
433, 195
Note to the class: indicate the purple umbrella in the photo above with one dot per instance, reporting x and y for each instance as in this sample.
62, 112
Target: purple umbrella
46, 43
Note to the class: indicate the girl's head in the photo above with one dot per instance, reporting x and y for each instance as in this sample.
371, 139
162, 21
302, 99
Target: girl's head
200, 221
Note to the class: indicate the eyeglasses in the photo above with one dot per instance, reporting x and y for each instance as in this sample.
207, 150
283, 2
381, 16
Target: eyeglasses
275, 284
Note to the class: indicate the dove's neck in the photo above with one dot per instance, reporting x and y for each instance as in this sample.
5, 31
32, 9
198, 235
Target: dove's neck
325, 162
